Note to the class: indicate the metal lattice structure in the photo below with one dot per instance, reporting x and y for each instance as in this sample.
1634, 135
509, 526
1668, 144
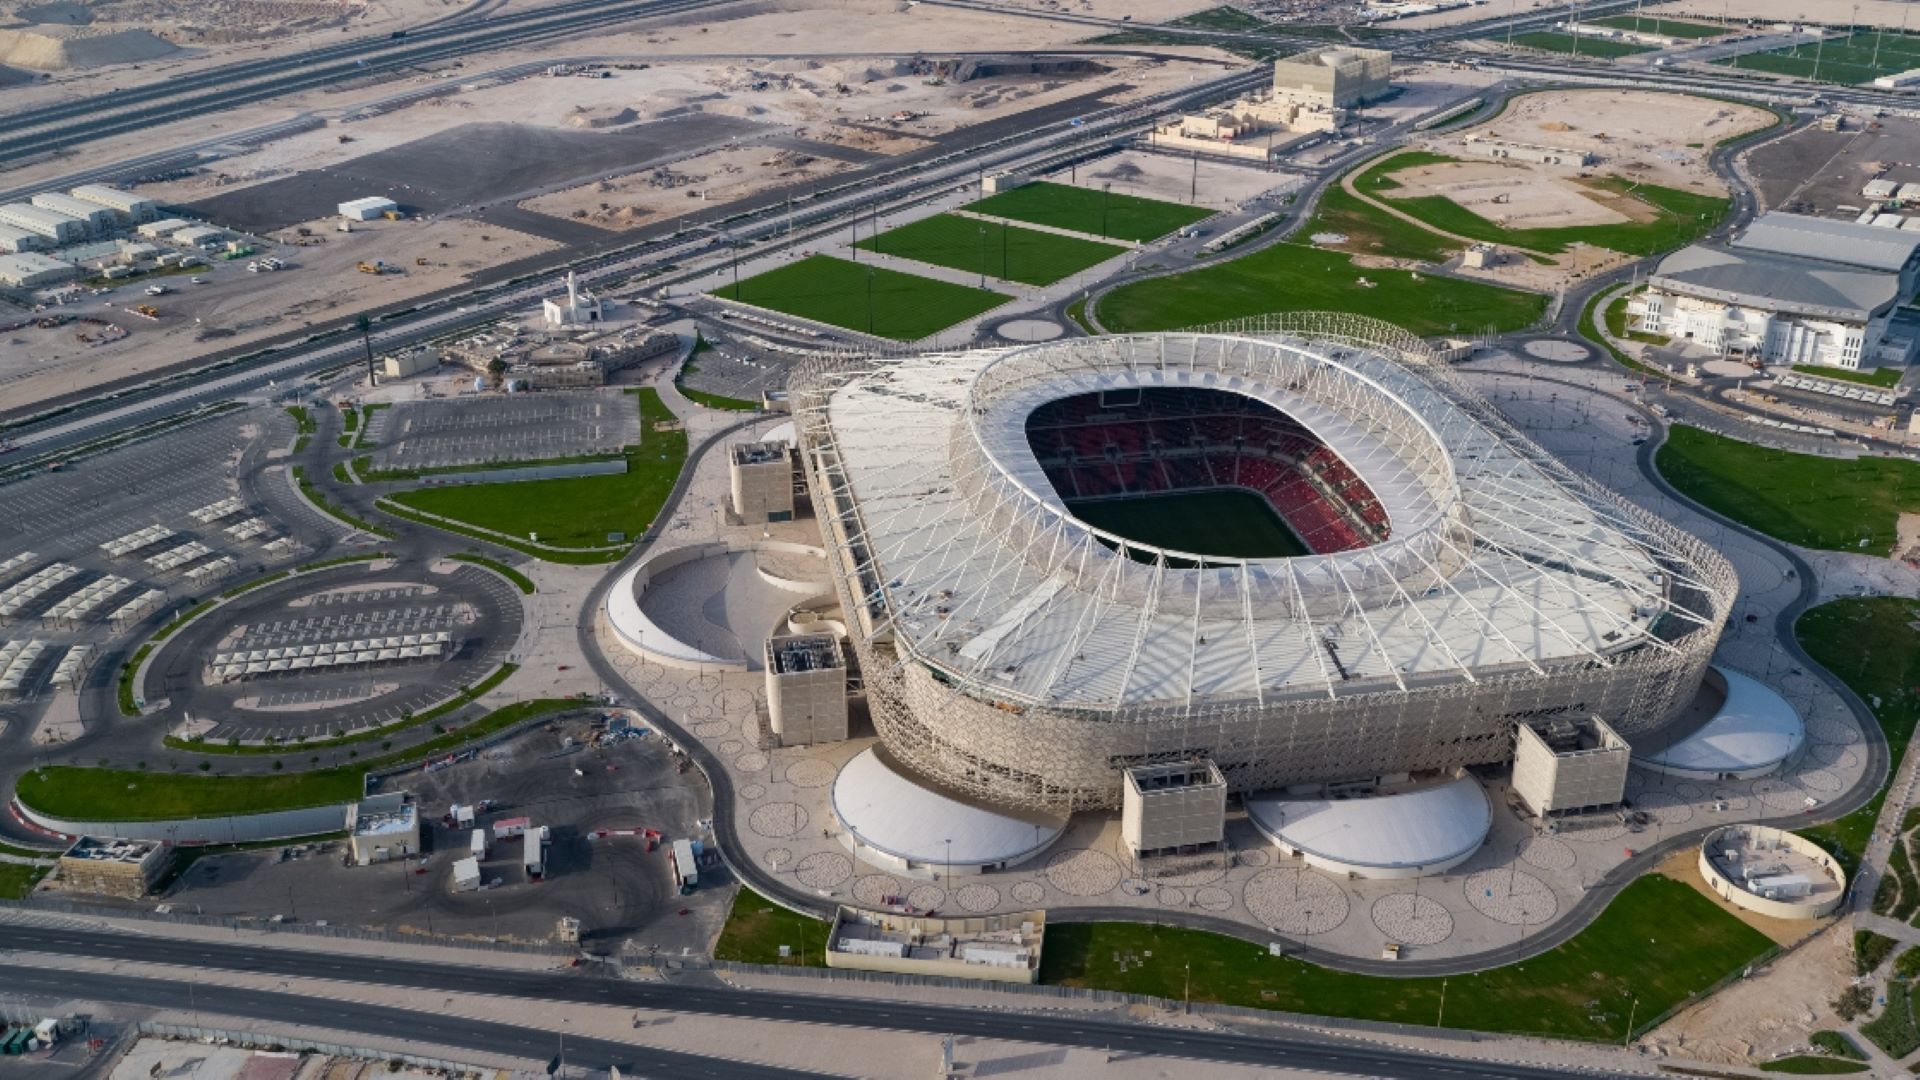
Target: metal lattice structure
1020, 655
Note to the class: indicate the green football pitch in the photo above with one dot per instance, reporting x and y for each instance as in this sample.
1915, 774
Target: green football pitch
993, 248
1852, 58
1096, 212
1229, 524
868, 299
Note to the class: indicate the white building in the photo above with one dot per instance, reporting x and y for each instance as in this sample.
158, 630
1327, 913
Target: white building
126, 204
15, 240
53, 225
199, 236
367, 209
99, 220
580, 308
28, 270
1790, 290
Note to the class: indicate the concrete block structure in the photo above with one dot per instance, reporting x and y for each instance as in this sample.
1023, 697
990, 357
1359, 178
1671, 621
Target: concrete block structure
383, 827
807, 689
1171, 808
761, 474
125, 204
1569, 764
1337, 77
55, 226
126, 869
998, 948
99, 220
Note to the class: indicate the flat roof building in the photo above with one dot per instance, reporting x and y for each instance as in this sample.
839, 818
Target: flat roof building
14, 240
158, 230
30, 270
367, 209
1336, 77
121, 868
99, 219
761, 475
200, 236
1177, 807
125, 204
807, 689
1000, 948
55, 226
383, 827
1567, 764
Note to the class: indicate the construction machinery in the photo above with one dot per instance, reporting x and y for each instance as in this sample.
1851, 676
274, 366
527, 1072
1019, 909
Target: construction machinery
379, 267
148, 310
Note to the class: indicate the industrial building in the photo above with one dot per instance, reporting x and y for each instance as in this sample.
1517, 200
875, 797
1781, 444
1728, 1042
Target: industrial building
1569, 764
806, 689
126, 869
1336, 77
30, 270
51, 224
367, 209
128, 206
14, 240
383, 827
99, 220
1177, 807
998, 948
163, 229
198, 236
761, 477
1789, 290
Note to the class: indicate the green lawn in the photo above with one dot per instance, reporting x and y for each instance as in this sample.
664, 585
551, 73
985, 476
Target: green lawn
90, 794
1617, 323
867, 299
574, 511
1894, 1031
1234, 524
1220, 18
995, 249
1648, 24
1872, 644
17, 880
1295, 277
1094, 211
1851, 59
1678, 217
1590, 329
1885, 378
1660, 941
1598, 48
303, 423
1372, 231
1810, 1065
1805, 499
756, 928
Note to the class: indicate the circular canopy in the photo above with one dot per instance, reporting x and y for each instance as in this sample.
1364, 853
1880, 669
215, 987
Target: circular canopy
1755, 729
1420, 827
891, 812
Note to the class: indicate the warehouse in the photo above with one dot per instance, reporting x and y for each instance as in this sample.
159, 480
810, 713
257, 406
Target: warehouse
125, 204
160, 230
55, 226
29, 270
1790, 290
368, 208
200, 236
14, 240
99, 220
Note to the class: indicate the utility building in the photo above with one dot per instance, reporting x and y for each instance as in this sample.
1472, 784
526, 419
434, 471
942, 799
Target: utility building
99, 220
1173, 808
383, 827
1339, 77
122, 868
1568, 764
125, 204
762, 477
807, 689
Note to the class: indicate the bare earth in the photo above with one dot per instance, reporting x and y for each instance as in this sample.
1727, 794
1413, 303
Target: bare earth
711, 179
1513, 196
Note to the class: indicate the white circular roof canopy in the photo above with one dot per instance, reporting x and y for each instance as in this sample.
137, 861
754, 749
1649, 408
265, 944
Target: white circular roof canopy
1753, 732
888, 810
1423, 827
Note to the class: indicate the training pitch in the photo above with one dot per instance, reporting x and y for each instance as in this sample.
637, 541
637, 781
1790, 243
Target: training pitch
867, 299
992, 248
1102, 213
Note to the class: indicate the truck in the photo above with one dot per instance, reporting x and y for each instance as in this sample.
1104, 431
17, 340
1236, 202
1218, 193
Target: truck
507, 828
478, 845
686, 870
536, 852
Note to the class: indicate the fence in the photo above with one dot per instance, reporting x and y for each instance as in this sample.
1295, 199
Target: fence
254, 1040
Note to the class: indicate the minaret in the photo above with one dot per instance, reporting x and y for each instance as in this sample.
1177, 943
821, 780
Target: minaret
573, 299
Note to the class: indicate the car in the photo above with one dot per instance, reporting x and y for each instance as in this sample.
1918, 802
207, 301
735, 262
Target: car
197, 280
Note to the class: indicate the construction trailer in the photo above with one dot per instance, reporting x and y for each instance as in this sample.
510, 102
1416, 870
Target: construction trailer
686, 866
535, 858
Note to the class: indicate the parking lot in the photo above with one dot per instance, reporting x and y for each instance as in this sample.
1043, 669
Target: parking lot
347, 606
618, 889
520, 427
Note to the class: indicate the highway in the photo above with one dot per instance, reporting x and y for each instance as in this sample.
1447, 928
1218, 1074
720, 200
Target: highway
686, 995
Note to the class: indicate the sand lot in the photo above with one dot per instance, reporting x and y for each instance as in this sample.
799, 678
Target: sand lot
1514, 196
1159, 176
1641, 134
235, 307
711, 179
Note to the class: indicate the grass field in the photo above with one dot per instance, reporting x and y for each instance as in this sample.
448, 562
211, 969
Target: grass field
995, 249
1234, 524
1598, 48
756, 928
1856, 58
1659, 941
1647, 24
1295, 277
1679, 217
1819, 502
1885, 378
17, 880
574, 511
1811, 1065
1871, 643
867, 299
1373, 231
1086, 210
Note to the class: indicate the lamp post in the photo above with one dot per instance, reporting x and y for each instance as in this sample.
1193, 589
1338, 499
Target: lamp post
1106, 192
949, 878
983, 256
870, 292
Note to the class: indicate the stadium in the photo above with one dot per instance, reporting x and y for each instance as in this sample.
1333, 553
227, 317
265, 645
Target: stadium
1301, 549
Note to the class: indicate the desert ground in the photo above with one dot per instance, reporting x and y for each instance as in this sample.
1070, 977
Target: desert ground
1514, 196
711, 179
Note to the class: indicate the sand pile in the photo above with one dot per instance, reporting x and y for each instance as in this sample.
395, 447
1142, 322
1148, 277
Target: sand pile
53, 48
858, 74
605, 117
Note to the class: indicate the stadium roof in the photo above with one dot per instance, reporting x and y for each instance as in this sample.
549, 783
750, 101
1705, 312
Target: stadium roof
1759, 279
1755, 729
1499, 558
1846, 242
909, 819
1419, 826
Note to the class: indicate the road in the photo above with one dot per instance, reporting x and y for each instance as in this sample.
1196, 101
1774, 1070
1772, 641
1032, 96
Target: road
686, 995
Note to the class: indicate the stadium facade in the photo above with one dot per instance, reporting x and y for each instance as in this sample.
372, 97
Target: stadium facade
1458, 579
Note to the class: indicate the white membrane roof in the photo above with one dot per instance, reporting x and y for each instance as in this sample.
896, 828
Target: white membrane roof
886, 809
1424, 826
1754, 728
